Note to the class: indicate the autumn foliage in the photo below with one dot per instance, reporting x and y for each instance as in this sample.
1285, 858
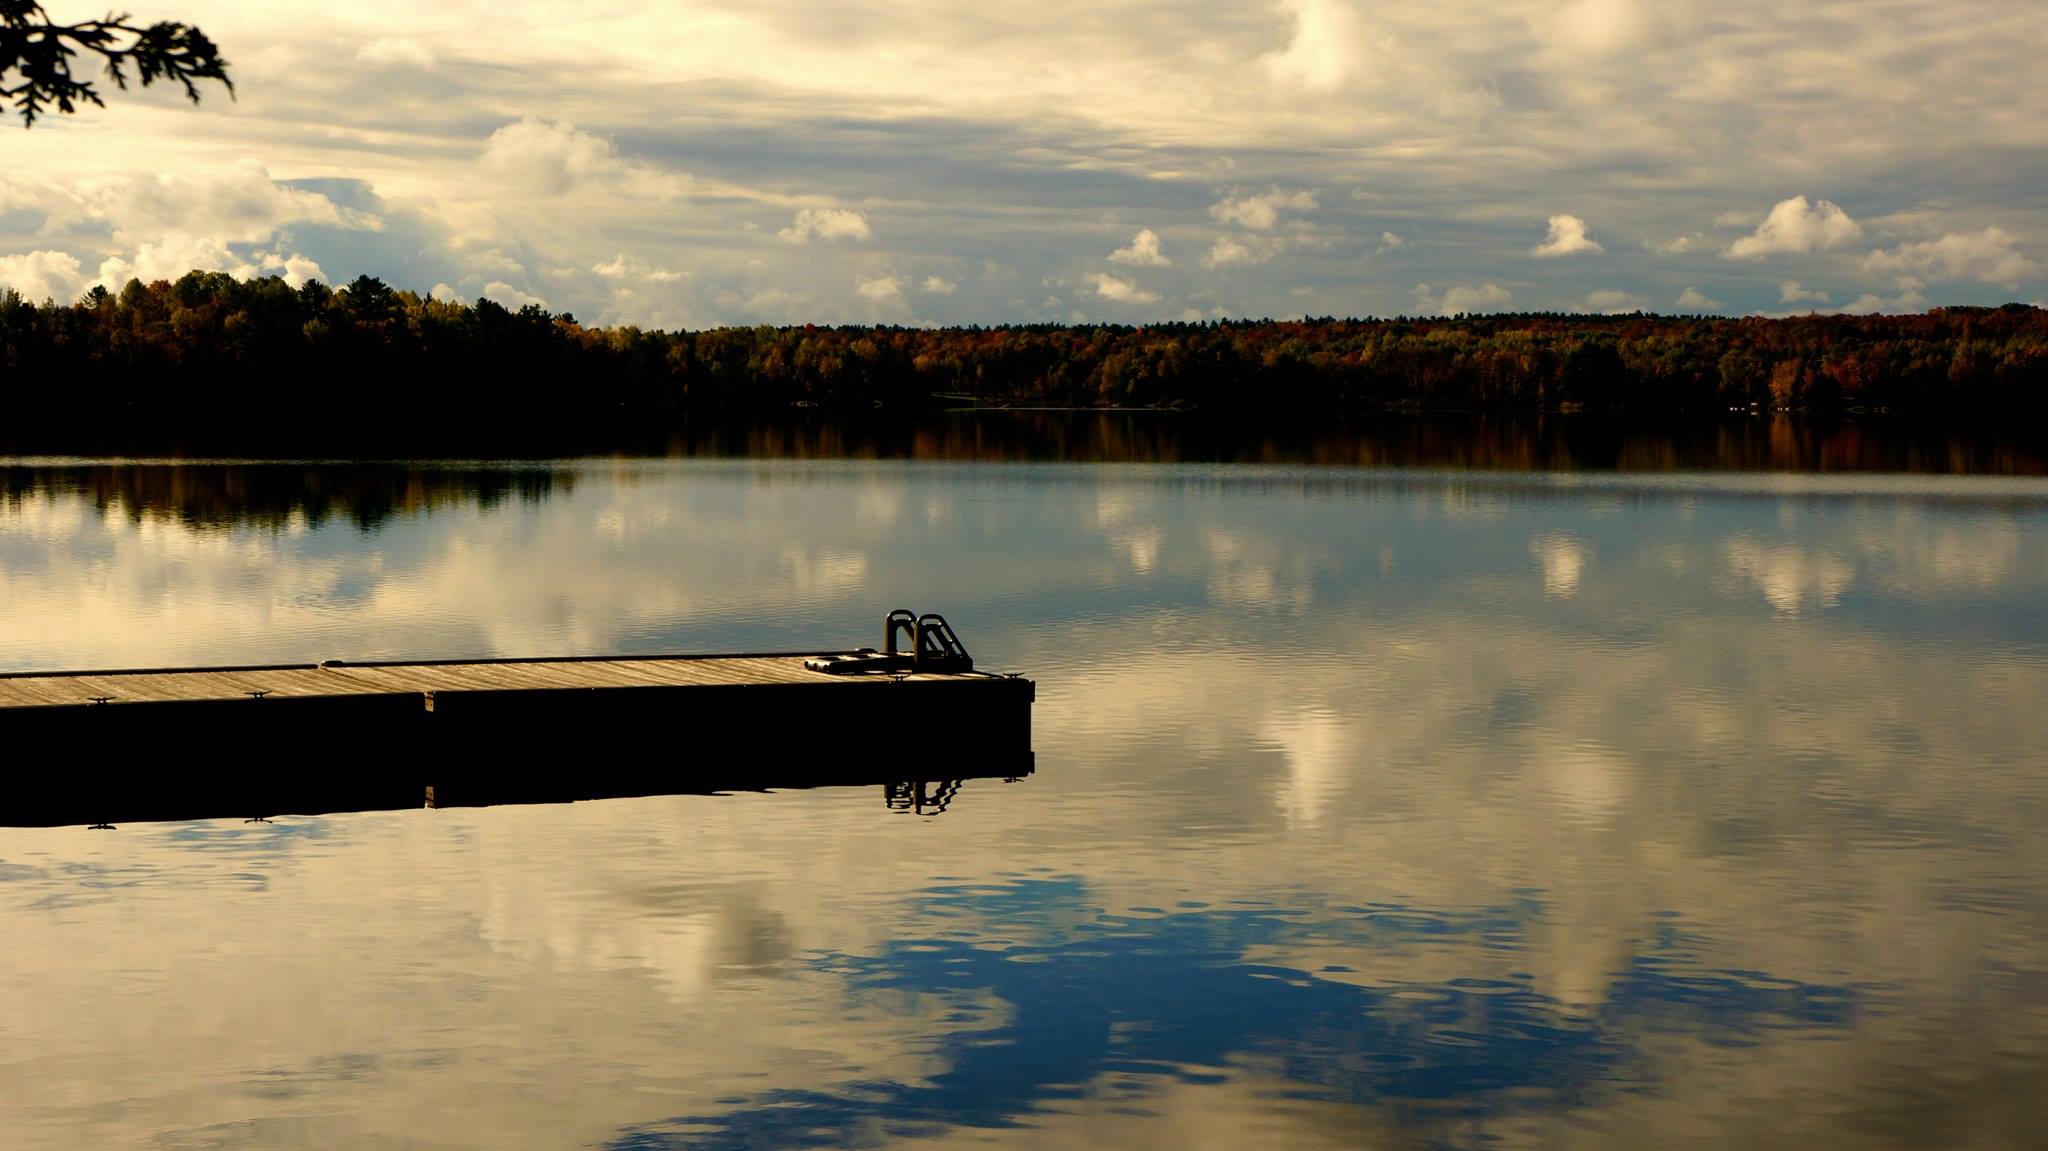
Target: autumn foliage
265, 351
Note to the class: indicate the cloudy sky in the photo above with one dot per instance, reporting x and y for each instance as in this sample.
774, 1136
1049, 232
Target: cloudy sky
715, 162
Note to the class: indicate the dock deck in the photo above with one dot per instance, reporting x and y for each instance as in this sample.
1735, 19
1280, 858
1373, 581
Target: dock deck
422, 682
619, 724
302, 737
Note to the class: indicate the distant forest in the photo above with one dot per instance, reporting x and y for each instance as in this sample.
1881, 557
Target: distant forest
263, 353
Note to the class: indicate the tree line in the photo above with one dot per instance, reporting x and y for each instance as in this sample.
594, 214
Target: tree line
263, 352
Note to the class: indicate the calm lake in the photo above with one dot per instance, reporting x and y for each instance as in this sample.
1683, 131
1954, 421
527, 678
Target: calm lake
1373, 807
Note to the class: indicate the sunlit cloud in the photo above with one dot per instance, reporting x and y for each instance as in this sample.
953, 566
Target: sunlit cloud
42, 275
826, 224
1991, 256
624, 267
1320, 45
1261, 211
1614, 302
777, 154
498, 291
548, 157
1122, 291
1462, 299
1908, 296
1795, 226
1235, 252
1567, 237
1793, 292
878, 288
395, 52
1143, 251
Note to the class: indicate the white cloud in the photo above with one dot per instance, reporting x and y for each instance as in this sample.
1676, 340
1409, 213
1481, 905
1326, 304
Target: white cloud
1566, 237
395, 52
1694, 300
1228, 252
170, 258
14, 196
43, 275
1388, 242
1601, 27
878, 288
940, 286
544, 156
554, 157
1261, 211
826, 224
1122, 291
294, 268
494, 261
446, 294
504, 293
1991, 256
1796, 226
1793, 292
774, 303
1143, 251
1612, 301
1910, 298
624, 267
236, 204
1435, 122
1318, 53
1462, 299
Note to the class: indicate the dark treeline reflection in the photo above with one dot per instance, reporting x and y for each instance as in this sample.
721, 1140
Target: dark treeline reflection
1526, 443
219, 495
368, 491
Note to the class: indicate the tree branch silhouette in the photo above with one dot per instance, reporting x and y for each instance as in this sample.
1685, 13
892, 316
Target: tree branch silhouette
37, 54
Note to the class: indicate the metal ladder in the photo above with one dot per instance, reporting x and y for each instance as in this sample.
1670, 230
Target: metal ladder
933, 648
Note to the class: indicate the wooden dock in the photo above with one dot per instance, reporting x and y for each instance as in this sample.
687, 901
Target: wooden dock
421, 683
576, 727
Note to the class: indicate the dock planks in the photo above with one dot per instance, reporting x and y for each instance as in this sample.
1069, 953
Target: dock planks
641, 723
195, 742
67, 689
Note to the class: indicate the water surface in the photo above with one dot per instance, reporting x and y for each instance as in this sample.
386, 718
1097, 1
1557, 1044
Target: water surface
1373, 807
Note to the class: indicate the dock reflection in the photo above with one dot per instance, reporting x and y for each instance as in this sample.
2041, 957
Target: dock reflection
925, 792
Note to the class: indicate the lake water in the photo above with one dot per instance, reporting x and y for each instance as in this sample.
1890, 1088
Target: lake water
1373, 808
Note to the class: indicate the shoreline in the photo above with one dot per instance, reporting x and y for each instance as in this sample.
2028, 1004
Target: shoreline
1476, 441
